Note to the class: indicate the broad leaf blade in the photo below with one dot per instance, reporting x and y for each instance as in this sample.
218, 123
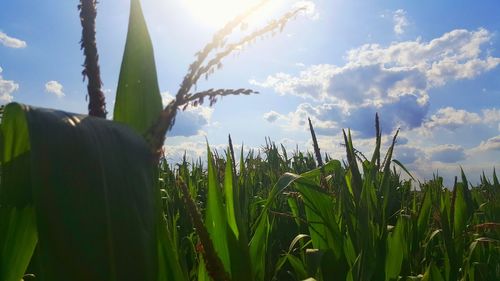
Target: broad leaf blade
94, 197
230, 197
18, 241
15, 188
215, 217
138, 101
395, 244
18, 235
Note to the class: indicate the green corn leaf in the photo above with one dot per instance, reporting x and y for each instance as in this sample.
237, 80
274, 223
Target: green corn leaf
259, 240
94, 197
138, 101
324, 231
18, 237
432, 274
240, 258
237, 244
258, 247
323, 228
394, 258
15, 188
215, 216
292, 203
355, 182
202, 270
169, 268
424, 214
462, 209
378, 141
496, 183
231, 195
298, 267
404, 168
385, 186
329, 167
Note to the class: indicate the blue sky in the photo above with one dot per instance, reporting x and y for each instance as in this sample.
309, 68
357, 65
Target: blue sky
431, 68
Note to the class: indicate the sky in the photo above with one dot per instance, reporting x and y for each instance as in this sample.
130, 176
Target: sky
430, 68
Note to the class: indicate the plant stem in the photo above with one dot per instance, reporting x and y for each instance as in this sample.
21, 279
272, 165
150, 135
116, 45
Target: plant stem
213, 263
97, 104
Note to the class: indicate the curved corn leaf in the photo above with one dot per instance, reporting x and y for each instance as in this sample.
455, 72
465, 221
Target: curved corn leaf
94, 197
18, 240
232, 197
215, 216
138, 101
395, 244
18, 236
15, 188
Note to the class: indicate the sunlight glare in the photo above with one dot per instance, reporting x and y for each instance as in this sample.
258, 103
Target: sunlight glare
215, 13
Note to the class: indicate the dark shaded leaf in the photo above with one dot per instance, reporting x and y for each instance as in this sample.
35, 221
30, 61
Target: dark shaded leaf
94, 198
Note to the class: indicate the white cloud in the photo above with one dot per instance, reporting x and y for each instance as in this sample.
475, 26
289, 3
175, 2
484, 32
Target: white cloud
11, 42
491, 115
328, 118
400, 21
491, 144
271, 116
193, 150
55, 88
451, 119
297, 120
189, 122
393, 80
455, 55
175, 148
311, 83
7, 88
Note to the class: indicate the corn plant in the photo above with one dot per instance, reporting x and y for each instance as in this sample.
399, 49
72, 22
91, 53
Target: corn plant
367, 223
79, 195
84, 198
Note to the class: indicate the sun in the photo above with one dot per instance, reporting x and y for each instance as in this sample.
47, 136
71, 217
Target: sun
216, 13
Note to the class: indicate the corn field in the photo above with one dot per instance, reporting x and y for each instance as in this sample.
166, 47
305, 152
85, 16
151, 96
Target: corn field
280, 217
85, 198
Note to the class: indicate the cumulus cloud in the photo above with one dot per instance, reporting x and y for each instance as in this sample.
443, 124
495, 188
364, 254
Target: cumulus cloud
7, 88
455, 55
393, 80
400, 21
491, 115
11, 42
491, 144
55, 88
271, 116
406, 113
192, 149
310, 83
450, 118
297, 120
197, 149
189, 122
447, 153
